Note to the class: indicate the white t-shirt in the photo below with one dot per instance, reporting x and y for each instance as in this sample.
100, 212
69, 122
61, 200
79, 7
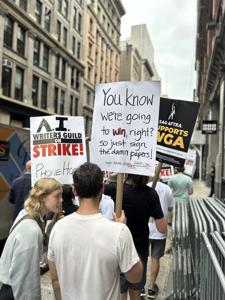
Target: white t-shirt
20, 260
89, 252
166, 201
106, 206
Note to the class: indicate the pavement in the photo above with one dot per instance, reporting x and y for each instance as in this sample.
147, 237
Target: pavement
164, 280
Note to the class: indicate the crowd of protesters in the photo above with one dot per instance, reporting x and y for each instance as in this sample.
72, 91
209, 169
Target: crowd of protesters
92, 252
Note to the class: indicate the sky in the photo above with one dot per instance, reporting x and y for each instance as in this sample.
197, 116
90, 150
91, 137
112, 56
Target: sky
172, 28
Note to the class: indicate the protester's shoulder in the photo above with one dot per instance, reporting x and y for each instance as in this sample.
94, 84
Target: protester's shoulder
29, 231
17, 180
151, 191
188, 178
65, 221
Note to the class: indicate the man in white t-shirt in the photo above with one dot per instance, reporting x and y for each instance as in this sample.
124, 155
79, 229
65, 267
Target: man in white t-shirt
157, 239
86, 251
106, 206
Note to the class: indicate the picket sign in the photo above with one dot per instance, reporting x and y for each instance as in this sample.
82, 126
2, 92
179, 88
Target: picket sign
124, 129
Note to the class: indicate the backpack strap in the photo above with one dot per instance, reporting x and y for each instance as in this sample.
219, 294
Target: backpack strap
23, 218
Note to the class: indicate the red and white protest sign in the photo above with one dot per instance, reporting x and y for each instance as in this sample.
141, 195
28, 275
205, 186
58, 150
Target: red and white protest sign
57, 147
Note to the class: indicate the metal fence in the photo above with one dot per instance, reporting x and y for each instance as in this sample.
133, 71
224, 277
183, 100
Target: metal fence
199, 250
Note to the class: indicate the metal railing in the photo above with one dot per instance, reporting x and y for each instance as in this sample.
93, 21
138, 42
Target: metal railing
199, 250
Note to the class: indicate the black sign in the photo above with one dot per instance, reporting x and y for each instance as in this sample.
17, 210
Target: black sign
4, 150
209, 127
176, 123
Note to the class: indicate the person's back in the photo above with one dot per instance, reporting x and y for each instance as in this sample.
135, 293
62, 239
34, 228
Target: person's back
90, 267
86, 251
166, 201
20, 189
181, 186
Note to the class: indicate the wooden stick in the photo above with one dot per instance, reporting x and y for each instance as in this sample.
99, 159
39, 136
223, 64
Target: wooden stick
119, 194
156, 177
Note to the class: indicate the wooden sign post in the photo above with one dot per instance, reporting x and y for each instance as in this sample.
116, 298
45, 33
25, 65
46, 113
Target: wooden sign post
156, 177
119, 194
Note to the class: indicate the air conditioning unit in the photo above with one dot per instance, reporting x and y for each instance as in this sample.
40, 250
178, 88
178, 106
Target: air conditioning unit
7, 63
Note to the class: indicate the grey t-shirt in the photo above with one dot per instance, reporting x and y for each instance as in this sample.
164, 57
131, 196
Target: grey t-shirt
20, 260
89, 252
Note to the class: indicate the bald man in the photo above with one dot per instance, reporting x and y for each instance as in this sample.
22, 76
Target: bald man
20, 189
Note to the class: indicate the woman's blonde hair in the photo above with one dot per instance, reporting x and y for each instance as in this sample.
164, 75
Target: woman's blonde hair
43, 187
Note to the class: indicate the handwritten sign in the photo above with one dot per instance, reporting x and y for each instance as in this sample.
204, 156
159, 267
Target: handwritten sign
57, 147
124, 129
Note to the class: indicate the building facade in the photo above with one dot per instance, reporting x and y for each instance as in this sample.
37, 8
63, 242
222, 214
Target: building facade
137, 56
210, 90
41, 57
102, 20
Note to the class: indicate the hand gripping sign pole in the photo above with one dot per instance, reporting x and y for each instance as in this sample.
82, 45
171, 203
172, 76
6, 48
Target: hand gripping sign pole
119, 194
156, 177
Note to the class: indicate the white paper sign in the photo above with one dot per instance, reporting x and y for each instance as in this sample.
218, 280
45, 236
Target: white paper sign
190, 163
124, 129
57, 147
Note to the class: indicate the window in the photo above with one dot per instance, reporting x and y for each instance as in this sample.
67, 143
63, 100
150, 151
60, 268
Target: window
38, 11
73, 105
90, 47
62, 101
35, 90
79, 27
74, 45
8, 32
99, 12
74, 17
112, 34
65, 37
56, 99
45, 58
103, 21
23, 4
60, 5
36, 58
89, 73
57, 65
63, 75
65, 8
44, 94
47, 20
73, 77
91, 25
59, 30
78, 80
20, 47
78, 49
19, 84
88, 98
6, 81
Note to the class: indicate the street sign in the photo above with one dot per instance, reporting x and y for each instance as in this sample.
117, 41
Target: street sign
209, 127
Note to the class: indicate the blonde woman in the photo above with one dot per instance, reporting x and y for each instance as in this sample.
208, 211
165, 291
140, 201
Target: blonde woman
20, 260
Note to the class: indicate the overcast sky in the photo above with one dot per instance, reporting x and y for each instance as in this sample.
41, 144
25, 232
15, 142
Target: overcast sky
172, 28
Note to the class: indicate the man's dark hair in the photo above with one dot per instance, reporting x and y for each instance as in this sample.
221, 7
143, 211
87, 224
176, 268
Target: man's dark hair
88, 180
180, 169
138, 180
